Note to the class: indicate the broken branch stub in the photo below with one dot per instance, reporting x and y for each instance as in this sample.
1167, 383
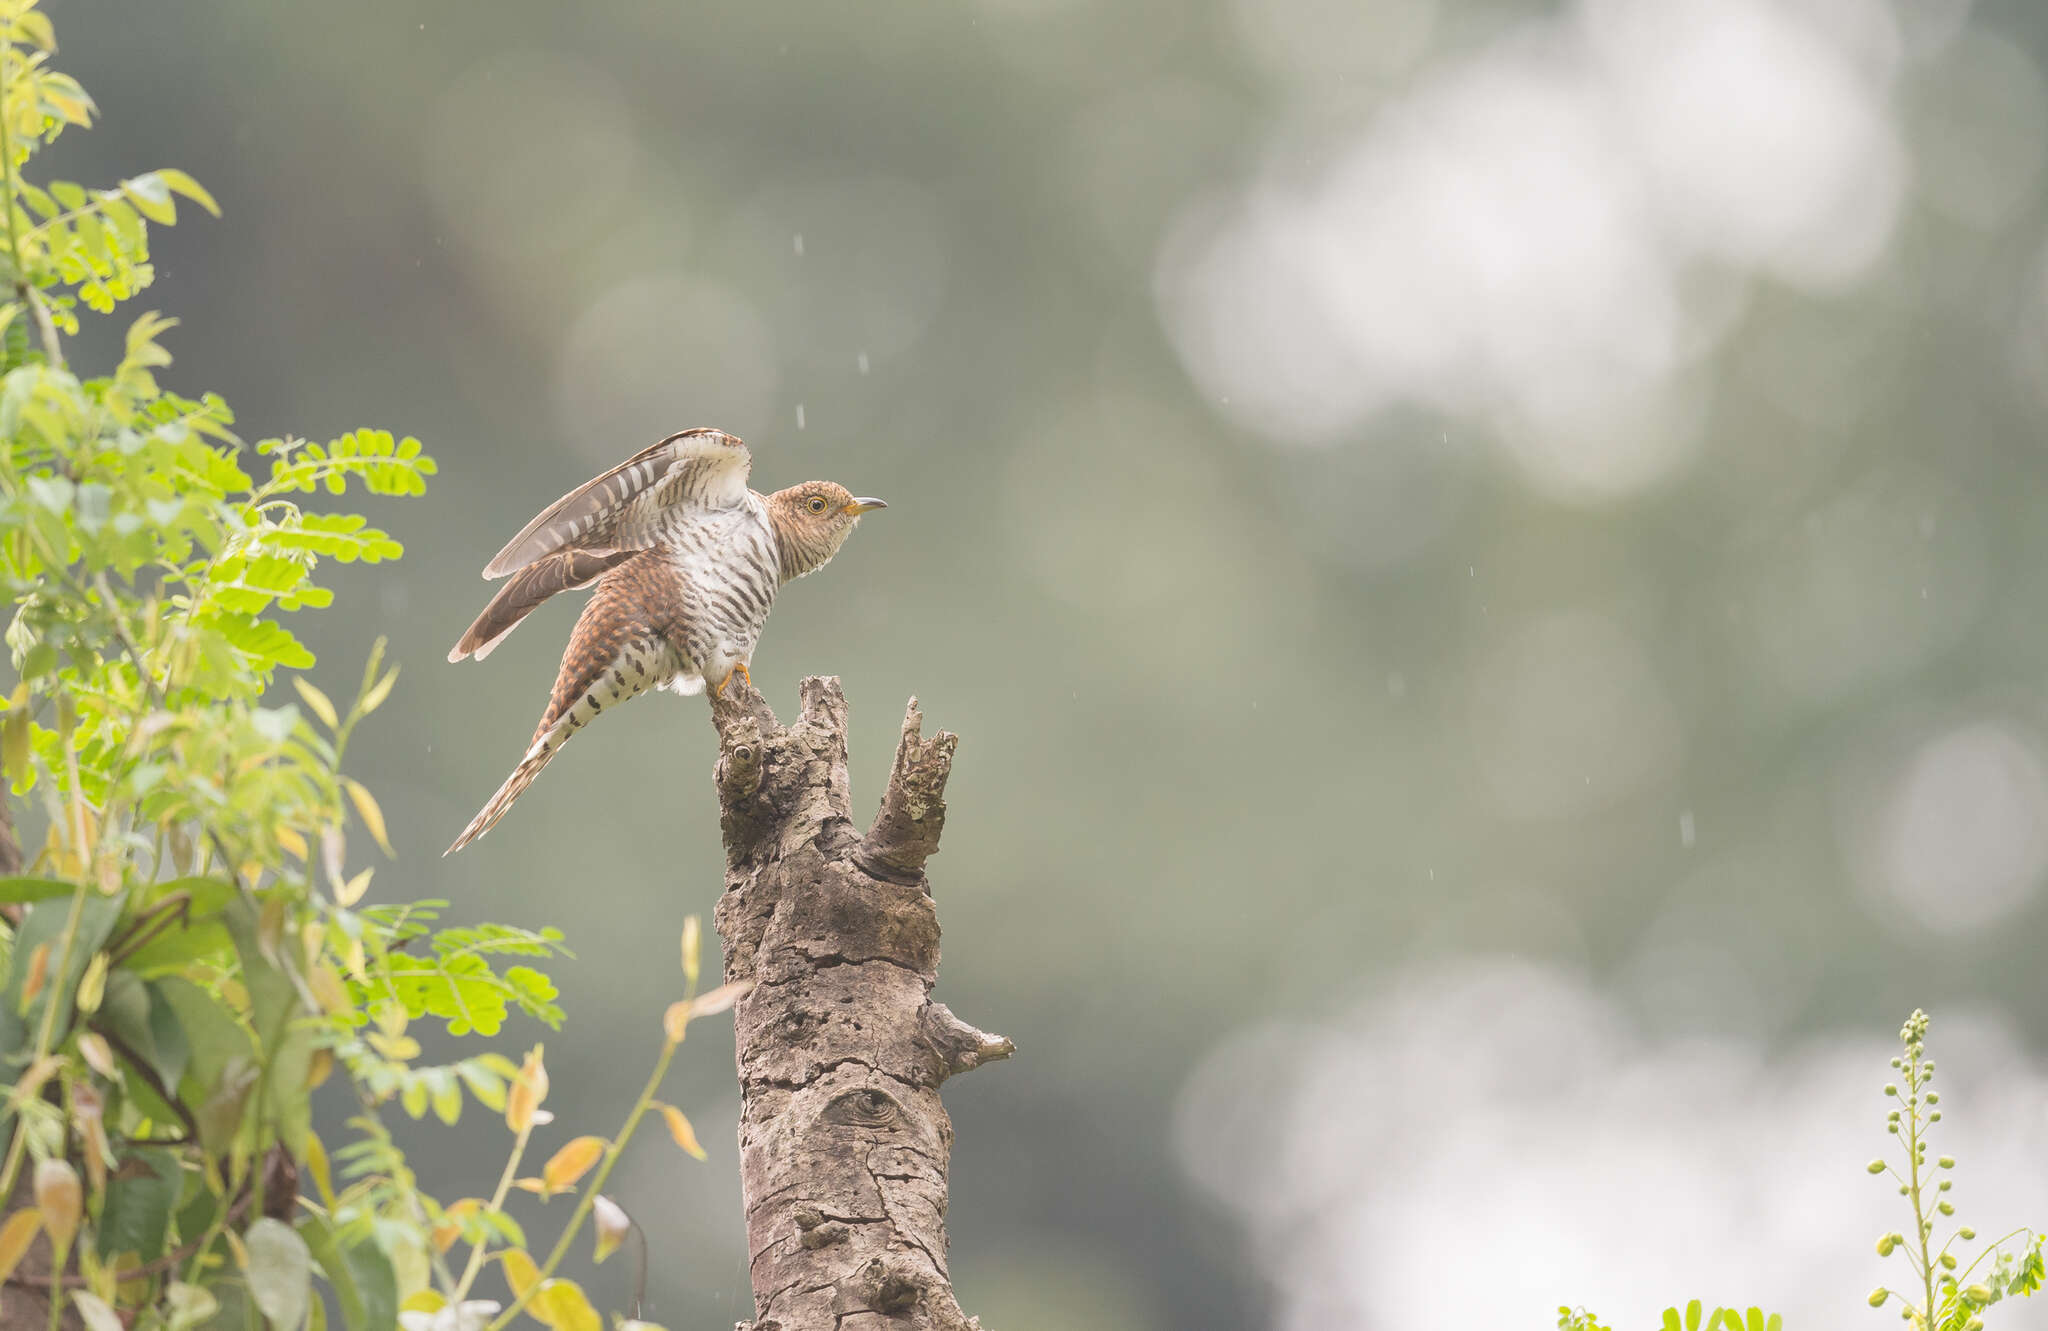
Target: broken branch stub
844, 1143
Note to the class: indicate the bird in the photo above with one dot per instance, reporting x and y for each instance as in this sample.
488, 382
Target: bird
686, 561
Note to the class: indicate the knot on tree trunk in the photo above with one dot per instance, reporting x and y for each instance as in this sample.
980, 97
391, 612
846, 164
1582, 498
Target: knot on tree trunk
844, 1144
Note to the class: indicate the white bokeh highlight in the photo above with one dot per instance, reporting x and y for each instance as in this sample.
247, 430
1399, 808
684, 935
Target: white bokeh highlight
1484, 1141
1544, 235
1949, 832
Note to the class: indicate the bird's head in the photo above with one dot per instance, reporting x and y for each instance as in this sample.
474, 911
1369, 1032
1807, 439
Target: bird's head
812, 521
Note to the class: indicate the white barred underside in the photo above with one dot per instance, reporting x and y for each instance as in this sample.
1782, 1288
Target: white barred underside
725, 568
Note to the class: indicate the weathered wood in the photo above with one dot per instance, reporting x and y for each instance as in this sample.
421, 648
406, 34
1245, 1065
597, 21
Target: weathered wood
844, 1144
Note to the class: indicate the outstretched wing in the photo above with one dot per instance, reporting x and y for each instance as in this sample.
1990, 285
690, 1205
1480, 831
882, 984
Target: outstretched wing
630, 506
564, 571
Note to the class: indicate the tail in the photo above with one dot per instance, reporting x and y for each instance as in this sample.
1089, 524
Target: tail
545, 746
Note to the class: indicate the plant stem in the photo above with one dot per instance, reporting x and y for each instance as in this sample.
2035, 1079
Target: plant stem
476, 1253
1923, 1229
57, 1293
604, 1171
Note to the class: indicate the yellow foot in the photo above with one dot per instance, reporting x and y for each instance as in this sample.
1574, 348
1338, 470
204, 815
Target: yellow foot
739, 668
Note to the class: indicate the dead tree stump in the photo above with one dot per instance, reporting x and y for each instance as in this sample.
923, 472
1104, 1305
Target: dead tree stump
844, 1143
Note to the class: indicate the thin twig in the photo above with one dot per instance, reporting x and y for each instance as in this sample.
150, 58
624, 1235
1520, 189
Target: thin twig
149, 1075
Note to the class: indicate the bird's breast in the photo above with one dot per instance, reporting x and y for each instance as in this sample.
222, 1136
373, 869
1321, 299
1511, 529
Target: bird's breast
724, 561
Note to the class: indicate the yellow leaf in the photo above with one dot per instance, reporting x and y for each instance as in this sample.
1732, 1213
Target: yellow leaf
719, 999
520, 1272
38, 29
31, 1082
562, 1305
323, 707
397, 1048
680, 1129
333, 851
537, 1187
188, 187
424, 1301
294, 844
238, 1248
92, 986
61, 1200
692, 942
676, 1021
529, 1089
349, 893
320, 1069
572, 1162
378, 693
98, 1056
322, 1172
450, 1228
373, 817
327, 986
14, 746
130, 1285
38, 972
358, 959
15, 1235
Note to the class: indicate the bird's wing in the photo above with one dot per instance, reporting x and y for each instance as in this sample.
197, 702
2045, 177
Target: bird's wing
629, 506
564, 571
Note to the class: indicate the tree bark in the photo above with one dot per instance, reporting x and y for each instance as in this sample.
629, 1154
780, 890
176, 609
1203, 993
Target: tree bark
844, 1143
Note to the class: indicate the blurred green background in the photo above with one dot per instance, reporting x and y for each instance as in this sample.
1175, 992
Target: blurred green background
1375, 485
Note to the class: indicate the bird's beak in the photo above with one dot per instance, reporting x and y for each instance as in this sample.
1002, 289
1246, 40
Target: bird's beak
860, 506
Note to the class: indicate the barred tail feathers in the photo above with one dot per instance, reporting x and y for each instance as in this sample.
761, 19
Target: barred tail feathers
545, 746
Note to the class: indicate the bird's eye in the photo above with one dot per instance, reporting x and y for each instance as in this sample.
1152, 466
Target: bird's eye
816, 505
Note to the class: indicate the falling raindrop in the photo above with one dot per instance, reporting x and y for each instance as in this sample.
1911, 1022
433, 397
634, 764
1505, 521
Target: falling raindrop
1685, 829
862, 362
799, 244
799, 415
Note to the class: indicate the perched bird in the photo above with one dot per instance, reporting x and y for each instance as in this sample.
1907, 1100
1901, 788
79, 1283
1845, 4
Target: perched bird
686, 560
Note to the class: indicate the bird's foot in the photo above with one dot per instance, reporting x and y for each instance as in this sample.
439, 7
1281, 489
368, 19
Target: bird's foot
738, 668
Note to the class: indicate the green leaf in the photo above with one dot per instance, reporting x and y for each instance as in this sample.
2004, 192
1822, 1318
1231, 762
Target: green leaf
222, 1068
141, 1193
1671, 1320
44, 922
1692, 1316
178, 947
364, 1285
280, 1272
22, 890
